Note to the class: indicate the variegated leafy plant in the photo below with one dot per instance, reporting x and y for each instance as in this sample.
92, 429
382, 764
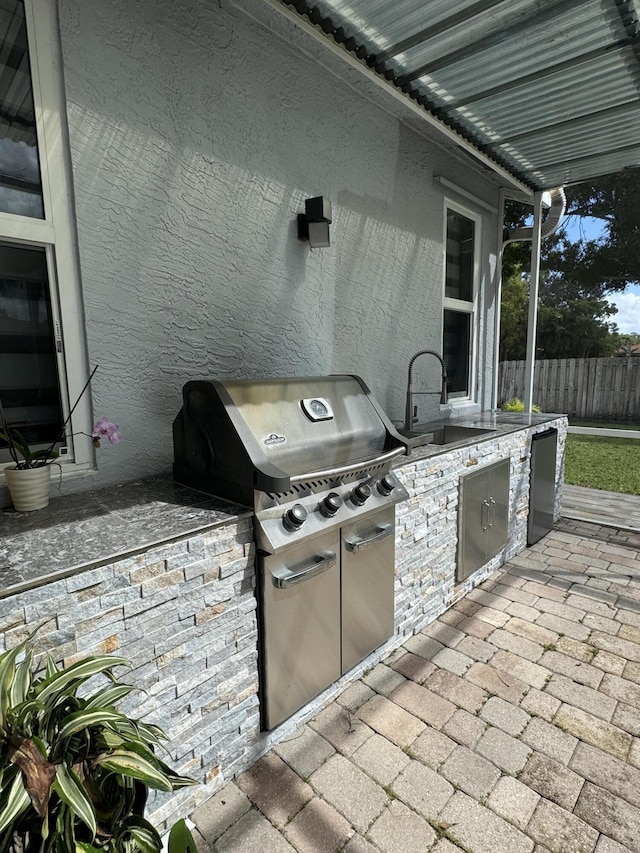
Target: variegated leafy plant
74, 771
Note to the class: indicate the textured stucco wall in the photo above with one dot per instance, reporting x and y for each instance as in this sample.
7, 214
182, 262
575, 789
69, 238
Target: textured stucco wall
195, 137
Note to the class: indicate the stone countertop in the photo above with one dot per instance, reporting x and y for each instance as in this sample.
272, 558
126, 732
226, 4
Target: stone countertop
81, 530
500, 423
85, 529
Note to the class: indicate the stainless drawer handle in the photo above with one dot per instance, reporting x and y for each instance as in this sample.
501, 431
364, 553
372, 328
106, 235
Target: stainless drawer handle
492, 512
283, 578
357, 544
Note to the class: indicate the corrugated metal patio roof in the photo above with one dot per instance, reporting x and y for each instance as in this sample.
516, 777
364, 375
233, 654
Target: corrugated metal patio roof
548, 89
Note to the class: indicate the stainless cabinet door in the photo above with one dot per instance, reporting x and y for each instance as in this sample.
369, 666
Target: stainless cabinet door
483, 516
300, 625
498, 512
473, 523
368, 552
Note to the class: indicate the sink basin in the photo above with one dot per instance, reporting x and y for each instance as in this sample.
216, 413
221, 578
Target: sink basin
451, 433
442, 434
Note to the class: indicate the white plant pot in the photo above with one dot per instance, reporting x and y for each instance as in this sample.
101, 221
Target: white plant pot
29, 487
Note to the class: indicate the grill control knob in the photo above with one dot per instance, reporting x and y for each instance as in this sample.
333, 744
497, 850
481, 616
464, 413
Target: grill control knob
294, 518
387, 484
361, 494
331, 504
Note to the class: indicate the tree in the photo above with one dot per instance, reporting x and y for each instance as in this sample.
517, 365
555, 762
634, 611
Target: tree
614, 200
576, 276
629, 344
513, 316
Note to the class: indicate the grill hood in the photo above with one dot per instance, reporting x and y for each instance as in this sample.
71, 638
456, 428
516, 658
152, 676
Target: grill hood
233, 437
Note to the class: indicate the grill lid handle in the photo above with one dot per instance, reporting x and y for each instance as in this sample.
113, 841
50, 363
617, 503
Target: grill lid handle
350, 468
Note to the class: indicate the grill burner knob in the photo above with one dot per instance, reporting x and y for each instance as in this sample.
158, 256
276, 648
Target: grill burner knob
294, 518
361, 494
387, 484
331, 504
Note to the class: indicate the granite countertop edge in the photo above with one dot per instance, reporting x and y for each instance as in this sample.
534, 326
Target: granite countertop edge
86, 530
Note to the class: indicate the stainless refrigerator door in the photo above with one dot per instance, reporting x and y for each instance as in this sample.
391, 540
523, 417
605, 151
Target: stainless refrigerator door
368, 551
543, 484
300, 622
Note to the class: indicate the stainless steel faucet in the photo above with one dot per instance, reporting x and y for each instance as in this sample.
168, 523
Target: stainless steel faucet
410, 416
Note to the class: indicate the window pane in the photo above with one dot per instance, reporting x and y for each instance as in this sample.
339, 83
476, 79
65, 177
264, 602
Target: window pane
459, 270
28, 367
20, 185
457, 348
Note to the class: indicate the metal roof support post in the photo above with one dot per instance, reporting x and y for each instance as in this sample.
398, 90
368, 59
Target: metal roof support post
498, 302
532, 321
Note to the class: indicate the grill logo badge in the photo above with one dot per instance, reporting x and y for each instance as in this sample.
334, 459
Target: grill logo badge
273, 439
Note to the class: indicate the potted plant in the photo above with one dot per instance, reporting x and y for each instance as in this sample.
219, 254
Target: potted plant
74, 771
29, 478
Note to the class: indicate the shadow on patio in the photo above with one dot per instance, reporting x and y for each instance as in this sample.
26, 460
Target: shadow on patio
510, 725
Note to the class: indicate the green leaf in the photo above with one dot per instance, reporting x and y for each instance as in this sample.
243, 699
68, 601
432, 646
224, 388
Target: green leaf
51, 666
7, 676
143, 834
27, 710
109, 740
78, 673
20, 437
109, 696
152, 733
134, 766
22, 680
20, 443
70, 790
18, 801
43, 454
180, 839
79, 720
143, 751
85, 847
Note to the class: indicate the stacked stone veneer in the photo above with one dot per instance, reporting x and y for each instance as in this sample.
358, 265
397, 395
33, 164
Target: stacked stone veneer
427, 524
184, 614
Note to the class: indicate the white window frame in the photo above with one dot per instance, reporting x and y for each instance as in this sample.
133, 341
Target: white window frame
56, 233
463, 306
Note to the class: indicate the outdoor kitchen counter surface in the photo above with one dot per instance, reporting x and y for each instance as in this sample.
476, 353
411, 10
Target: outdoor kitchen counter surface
80, 531
501, 423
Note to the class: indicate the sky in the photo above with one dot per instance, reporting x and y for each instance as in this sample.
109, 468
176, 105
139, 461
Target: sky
628, 303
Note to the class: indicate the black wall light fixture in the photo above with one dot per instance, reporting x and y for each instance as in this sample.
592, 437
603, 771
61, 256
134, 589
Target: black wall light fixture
313, 224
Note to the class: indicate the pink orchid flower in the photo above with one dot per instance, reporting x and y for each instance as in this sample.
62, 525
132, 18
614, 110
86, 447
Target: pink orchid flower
105, 429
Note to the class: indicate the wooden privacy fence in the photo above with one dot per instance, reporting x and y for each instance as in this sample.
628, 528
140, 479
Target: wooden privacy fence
600, 388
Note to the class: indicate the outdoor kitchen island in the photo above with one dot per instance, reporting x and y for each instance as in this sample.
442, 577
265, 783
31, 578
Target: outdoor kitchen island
165, 577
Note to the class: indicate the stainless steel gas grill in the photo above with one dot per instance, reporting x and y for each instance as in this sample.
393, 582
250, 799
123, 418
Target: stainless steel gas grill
312, 456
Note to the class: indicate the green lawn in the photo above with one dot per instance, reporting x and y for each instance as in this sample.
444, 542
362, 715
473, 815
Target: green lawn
612, 464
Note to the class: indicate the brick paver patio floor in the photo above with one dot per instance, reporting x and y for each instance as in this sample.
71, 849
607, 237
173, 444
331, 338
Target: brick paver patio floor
510, 725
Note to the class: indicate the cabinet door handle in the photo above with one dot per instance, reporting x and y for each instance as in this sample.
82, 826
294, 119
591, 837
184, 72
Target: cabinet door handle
492, 512
284, 578
484, 517
383, 531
